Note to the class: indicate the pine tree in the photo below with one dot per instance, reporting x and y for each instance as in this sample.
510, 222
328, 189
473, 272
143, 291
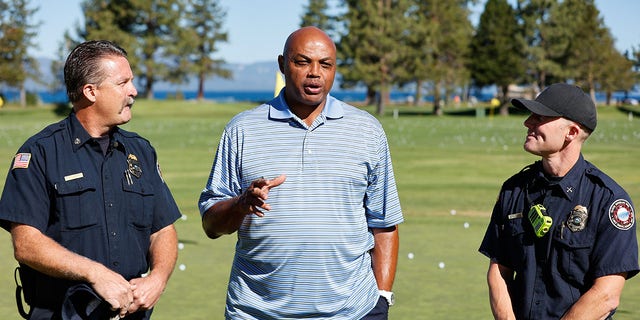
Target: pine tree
496, 50
372, 47
616, 74
439, 41
17, 34
635, 59
203, 33
542, 46
316, 14
589, 44
148, 29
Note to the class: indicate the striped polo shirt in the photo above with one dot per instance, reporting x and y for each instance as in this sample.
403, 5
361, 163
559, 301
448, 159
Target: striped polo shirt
309, 256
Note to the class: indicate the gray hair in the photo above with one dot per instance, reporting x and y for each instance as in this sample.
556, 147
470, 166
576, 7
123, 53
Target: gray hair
83, 65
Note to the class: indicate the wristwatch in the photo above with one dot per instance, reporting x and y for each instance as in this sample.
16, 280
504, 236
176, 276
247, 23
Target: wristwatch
391, 299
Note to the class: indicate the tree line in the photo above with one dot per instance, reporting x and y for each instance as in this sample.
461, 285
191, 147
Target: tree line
429, 45
432, 45
167, 40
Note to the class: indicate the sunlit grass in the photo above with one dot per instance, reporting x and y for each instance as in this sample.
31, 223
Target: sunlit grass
448, 169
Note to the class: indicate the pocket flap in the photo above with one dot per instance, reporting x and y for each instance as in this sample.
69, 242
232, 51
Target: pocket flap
74, 186
138, 186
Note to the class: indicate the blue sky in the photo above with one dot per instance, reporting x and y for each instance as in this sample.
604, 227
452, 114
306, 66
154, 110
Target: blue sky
258, 28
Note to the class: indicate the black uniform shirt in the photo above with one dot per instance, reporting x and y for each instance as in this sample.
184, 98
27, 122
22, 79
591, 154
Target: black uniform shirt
102, 206
593, 234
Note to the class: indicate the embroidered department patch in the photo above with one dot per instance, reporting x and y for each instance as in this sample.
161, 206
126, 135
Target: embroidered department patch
21, 161
621, 214
159, 171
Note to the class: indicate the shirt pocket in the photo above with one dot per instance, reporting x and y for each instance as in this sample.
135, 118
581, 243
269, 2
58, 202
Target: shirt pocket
514, 228
574, 251
138, 203
515, 241
76, 200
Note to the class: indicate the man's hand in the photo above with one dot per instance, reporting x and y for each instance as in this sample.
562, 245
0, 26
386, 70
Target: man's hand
226, 217
253, 199
45, 255
114, 289
146, 293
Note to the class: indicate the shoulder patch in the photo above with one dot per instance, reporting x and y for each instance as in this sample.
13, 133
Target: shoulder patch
621, 214
159, 171
21, 161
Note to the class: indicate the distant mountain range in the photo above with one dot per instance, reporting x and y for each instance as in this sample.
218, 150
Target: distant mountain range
258, 76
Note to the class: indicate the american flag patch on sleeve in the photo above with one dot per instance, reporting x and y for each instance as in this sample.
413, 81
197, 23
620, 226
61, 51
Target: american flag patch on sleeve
21, 160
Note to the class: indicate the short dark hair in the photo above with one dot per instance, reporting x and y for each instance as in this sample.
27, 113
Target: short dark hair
83, 65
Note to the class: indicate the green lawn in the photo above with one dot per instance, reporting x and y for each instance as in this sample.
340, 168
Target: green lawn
449, 170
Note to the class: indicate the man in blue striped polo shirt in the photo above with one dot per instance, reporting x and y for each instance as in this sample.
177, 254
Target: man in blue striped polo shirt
307, 182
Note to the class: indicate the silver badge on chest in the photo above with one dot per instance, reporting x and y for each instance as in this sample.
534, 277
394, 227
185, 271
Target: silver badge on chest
577, 218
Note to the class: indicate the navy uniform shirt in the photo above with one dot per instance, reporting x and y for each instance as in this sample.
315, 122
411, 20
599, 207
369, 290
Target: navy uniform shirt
102, 206
593, 234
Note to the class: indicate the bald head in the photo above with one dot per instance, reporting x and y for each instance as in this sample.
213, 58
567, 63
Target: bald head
307, 34
308, 63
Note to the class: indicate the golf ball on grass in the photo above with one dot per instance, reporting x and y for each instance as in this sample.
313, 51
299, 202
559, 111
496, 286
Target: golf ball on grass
410, 255
182, 267
441, 265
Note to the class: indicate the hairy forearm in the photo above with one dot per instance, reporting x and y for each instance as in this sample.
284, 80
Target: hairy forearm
385, 256
163, 252
499, 297
43, 254
600, 300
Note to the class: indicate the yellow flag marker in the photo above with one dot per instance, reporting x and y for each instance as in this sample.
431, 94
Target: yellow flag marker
279, 84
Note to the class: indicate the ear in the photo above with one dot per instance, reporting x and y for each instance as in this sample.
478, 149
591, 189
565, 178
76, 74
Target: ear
574, 132
89, 91
281, 63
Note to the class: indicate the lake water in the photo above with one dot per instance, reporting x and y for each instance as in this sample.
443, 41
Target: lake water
263, 96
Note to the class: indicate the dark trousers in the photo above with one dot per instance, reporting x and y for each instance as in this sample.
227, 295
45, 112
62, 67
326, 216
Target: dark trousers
43, 314
379, 312
46, 314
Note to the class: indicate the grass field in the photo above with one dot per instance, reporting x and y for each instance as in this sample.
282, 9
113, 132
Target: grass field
449, 170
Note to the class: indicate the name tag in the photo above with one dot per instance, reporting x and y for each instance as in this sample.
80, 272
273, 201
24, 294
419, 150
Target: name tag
74, 176
515, 216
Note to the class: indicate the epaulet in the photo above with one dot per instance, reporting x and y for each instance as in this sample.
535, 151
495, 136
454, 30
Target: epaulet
48, 131
131, 135
55, 127
523, 175
597, 176
528, 168
128, 134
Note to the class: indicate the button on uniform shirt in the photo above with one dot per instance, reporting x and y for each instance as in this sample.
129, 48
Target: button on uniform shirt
104, 207
593, 234
307, 257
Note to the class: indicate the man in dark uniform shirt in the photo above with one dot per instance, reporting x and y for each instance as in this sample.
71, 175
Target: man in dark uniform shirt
85, 202
562, 236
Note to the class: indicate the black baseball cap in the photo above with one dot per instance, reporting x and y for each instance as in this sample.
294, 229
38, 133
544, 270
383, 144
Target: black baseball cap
562, 100
82, 303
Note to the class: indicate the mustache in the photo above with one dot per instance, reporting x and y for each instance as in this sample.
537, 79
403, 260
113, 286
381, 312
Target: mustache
129, 104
